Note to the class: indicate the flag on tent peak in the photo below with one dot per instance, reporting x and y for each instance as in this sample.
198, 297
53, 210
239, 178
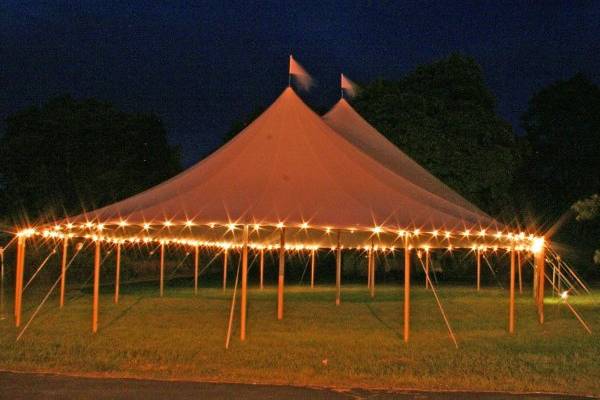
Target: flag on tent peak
302, 77
348, 86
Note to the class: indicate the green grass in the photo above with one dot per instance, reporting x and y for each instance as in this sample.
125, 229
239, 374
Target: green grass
181, 336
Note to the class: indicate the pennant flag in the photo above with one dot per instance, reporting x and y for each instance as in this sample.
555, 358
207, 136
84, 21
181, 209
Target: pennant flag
302, 77
348, 86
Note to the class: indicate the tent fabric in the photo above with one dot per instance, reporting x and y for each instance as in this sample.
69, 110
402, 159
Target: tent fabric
350, 124
290, 166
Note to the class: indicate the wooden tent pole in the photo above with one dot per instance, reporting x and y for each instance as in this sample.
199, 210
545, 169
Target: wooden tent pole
338, 270
20, 267
63, 271
312, 269
406, 288
244, 304
478, 269
373, 269
281, 275
426, 268
225, 257
118, 273
534, 282
520, 270
540, 261
96, 287
511, 306
196, 266
262, 268
162, 269
369, 268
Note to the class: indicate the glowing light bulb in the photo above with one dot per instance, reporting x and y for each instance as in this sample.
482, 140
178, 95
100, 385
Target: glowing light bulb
377, 229
417, 231
304, 225
146, 226
168, 223
122, 223
328, 230
280, 225
256, 227
189, 223
401, 232
482, 232
564, 295
434, 233
538, 245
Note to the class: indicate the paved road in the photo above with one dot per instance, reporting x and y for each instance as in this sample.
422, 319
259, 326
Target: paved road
15, 386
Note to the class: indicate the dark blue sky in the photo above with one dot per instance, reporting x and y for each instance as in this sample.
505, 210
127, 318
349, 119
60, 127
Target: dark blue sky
203, 65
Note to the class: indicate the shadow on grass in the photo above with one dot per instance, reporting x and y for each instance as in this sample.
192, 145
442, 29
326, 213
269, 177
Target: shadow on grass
122, 314
382, 322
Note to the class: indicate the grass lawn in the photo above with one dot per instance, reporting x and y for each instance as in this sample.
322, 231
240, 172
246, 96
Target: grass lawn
181, 336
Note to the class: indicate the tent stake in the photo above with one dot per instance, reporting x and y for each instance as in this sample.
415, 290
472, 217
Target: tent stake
225, 257
406, 289
118, 273
511, 306
281, 275
162, 269
262, 268
244, 304
196, 265
96, 287
63, 271
338, 270
312, 269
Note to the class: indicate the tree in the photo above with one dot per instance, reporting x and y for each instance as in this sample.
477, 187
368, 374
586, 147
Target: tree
69, 155
587, 210
562, 125
443, 116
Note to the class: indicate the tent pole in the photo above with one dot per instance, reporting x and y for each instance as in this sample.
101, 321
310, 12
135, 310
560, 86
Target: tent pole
373, 269
312, 268
369, 268
118, 273
540, 261
19, 279
338, 269
96, 287
281, 275
478, 269
63, 270
406, 288
426, 268
520, 269
534, 282
225, 257
262, 268
196, 265
511, 306
244, 304
162, 269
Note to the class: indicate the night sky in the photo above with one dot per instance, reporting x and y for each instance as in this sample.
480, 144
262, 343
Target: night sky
203, 65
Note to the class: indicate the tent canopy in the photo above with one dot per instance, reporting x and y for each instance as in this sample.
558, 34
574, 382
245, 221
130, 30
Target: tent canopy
290, 167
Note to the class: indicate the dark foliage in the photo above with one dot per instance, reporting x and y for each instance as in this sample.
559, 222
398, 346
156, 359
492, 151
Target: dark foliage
69, 155
443, 116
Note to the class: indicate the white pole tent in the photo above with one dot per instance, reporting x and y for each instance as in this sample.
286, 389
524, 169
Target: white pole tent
292, 181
